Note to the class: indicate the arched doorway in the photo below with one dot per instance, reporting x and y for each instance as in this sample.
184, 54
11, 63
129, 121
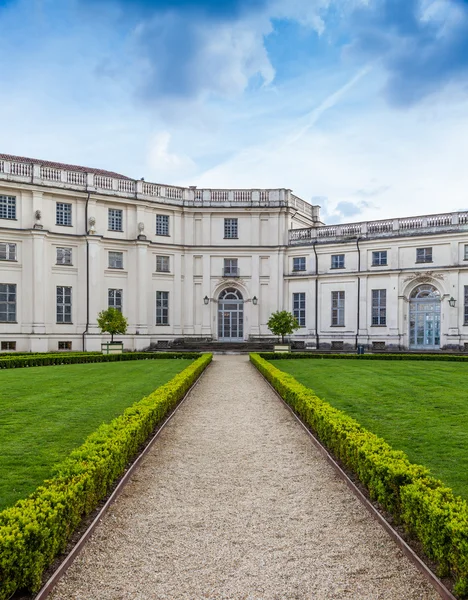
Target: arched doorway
425, 317
230, 316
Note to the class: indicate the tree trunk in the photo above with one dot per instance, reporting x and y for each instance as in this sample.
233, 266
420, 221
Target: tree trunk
282, 338
112, 338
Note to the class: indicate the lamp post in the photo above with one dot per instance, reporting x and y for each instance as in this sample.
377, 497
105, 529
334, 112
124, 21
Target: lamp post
254, 300
206, 300
452, 302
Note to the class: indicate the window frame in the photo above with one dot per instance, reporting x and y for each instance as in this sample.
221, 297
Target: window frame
302, 264
8, 207
62, 215
162, 308
64, 317
465, 297
114, 254
9, 311
379, 263
162, 225
66, 252
299, 307
5, 346
160, 260
231, 228
115, 219
231, 269
465, 252
338, 299
8, 247
115, 298
379, 308
66, 349
338, 258
424, 255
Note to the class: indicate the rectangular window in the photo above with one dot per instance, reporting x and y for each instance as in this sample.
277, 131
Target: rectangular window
338, 308
230, 267
64, 345
379, 258
115, 299
7, 207
64, 256
9, 346
423, 255
162, 225
465, 321
299, 263
162, 264
379, 307
7, 303
337, 261
299, 308
230, 228
64, 304
465, 257
64, 214
7, 251
162, 308
115, 260
115, 219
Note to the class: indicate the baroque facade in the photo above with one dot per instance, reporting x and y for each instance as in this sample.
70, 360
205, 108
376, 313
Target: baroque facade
189, 263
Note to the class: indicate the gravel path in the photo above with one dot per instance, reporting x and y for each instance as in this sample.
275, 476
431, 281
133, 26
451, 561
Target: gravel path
234, 502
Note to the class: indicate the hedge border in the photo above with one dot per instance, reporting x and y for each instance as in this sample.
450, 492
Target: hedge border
36, 529
70, 358
427, 508
314, 355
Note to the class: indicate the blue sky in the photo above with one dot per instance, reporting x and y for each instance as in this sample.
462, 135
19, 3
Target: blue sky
358, 105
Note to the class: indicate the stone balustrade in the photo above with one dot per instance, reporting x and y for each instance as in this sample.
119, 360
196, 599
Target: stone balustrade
456, 221
142, 190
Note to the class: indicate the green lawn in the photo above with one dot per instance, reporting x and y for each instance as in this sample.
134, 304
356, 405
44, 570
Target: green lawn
45, 412
418, 407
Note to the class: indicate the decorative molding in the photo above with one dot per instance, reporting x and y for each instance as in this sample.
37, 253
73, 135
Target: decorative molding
425, 277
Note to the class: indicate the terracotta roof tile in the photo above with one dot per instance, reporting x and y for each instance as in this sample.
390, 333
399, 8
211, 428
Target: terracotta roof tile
56, 165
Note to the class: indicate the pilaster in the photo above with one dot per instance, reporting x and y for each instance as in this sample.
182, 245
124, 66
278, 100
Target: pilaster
39, 283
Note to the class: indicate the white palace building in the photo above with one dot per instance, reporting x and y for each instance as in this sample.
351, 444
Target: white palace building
213, 264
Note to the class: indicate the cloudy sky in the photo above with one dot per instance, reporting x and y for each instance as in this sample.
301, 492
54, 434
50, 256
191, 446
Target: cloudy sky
360, 106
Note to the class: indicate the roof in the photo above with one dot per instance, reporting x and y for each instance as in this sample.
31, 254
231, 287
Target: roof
56, 165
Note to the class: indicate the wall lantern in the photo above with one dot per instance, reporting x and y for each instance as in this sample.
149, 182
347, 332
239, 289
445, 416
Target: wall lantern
452, 302
206, 300
254, 300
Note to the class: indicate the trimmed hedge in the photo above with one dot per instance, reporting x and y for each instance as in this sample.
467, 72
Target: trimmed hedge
424, 505
35, 530
69, 358
313, 354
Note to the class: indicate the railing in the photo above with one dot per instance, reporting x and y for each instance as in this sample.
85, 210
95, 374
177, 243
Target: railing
375, 229
55, 176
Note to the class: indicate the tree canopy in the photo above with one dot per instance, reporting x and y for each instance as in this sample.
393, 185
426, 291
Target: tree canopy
112, 321
282, 323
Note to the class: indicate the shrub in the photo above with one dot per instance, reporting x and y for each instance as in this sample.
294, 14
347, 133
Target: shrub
424, 505
317, 355
35, 530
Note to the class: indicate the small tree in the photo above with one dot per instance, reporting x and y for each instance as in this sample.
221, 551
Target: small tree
282, 323
112, 321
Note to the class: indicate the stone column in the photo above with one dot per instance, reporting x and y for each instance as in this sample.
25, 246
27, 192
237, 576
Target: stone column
39, 282
255, 291
142, 288
96, 301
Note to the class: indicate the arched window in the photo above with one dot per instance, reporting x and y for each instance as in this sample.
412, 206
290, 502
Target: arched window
425, 292
230, 294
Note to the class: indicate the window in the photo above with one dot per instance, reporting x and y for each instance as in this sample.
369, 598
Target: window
115, 260
64, 304
423, 255
230, 267
7, 207
64, 213
162, 264
465, 257
162, 308
64, 345
162, 225
299, 308
337, 261
230, 228
9, 346
379, 307
338, 306
7, 303
115, 299
64, 256
115, 219
7, 251
299, 263
379, 258
465, 320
